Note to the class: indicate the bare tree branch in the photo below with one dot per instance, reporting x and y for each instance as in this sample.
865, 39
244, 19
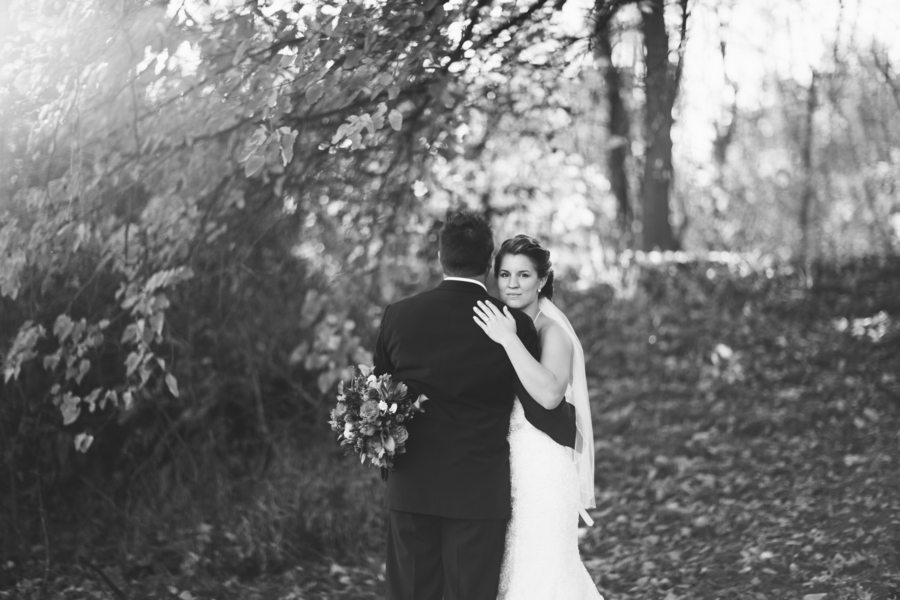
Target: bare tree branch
883, 64
605, 10
513, 22
679, 65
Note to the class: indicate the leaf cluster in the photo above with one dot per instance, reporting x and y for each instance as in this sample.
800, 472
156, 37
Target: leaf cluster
218, 200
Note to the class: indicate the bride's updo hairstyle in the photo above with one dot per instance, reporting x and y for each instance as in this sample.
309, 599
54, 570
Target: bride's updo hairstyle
539, 256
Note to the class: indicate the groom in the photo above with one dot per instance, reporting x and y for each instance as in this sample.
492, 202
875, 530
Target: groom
449, 497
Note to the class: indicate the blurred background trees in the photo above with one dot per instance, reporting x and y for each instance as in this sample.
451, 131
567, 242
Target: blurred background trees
204, 206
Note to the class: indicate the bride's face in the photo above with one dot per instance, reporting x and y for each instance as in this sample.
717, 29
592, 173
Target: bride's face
518, 281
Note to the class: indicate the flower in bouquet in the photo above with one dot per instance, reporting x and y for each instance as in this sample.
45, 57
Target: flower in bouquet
368, 410
401, 434
368, 414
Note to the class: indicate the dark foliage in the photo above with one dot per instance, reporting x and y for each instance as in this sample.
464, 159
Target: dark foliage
746, 431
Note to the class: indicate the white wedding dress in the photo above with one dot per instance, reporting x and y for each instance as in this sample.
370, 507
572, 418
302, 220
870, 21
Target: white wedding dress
541, 560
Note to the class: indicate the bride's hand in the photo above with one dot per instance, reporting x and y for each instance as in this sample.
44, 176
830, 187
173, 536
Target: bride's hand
500, 326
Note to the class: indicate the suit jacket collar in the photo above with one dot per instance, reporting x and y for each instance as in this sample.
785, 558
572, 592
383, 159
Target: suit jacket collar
461, 286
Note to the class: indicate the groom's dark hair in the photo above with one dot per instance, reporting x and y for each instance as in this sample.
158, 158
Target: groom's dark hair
466, 243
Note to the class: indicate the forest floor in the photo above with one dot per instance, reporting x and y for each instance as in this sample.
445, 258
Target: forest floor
747, 429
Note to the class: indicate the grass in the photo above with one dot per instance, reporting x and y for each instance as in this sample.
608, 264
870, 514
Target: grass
748, 446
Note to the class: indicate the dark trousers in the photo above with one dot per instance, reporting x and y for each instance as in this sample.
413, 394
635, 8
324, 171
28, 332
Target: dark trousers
431, 557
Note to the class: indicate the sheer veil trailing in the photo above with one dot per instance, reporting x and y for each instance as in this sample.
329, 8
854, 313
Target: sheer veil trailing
583, 455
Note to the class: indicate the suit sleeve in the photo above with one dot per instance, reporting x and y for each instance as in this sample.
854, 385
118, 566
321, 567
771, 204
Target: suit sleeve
528, 334
558, 423
382, 357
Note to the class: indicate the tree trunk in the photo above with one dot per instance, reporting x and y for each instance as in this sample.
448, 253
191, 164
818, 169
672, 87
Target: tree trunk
660, 85
618, 125
725, 127
809, 192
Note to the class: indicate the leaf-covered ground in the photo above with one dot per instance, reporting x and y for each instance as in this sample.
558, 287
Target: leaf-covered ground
764, 467
748, 446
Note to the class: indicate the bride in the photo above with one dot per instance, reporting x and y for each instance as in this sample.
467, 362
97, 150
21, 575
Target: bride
551, 484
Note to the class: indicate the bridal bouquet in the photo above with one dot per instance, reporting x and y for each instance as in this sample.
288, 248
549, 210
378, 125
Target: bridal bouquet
369, 417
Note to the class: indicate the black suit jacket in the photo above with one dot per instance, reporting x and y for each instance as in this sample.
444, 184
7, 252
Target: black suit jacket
457, 457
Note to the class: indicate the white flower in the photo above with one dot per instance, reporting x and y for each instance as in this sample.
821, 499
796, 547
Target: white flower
83, 442
371, 380
382, 406
393, 407
348, 430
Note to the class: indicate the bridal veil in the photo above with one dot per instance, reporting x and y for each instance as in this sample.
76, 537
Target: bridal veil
583, 455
